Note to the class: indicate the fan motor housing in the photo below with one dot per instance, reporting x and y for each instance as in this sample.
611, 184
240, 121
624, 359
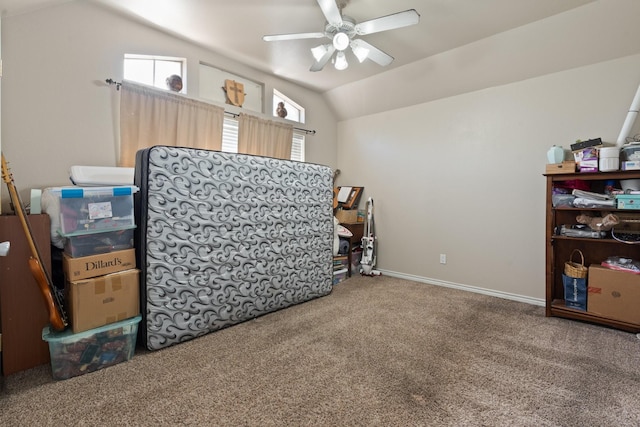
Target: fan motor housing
348, 27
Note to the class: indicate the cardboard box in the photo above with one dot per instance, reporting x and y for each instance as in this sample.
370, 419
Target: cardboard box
97, 265
102, 300
614, 294
564, 167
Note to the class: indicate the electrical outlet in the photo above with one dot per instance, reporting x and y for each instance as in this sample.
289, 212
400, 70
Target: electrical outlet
443, 258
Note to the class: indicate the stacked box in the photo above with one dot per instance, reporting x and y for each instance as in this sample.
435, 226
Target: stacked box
101, 279
102, 300
340, 268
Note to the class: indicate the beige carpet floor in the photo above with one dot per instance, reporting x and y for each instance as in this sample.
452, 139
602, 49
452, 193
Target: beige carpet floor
377, 351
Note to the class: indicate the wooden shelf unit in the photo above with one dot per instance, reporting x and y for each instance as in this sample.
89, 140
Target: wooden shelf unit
559, 248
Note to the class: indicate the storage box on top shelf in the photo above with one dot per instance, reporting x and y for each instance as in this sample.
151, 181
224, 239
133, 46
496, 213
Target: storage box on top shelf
97, 265
630, 165
87, 209
102, 300
614, 294
76, 354
99, 242
568, 166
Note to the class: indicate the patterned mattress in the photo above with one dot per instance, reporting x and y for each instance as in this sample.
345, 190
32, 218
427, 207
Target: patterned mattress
222, 238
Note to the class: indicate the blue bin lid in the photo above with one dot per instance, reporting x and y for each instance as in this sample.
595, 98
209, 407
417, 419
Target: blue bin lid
80, 192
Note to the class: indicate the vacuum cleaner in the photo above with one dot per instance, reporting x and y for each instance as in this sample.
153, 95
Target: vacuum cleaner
369, 244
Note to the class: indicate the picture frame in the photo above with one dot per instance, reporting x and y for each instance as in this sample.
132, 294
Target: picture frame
349, 197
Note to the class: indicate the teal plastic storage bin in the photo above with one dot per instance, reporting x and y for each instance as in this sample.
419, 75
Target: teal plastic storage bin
84, 352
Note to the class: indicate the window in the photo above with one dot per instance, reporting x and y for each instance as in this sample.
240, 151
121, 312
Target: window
153, 70
297, 148
295, 112
230, 140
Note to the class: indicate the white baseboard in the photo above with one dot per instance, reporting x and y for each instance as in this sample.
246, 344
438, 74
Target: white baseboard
499, 294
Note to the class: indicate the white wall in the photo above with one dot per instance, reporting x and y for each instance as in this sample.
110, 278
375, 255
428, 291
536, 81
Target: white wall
460, 175
460, 171
463, 175
57, 111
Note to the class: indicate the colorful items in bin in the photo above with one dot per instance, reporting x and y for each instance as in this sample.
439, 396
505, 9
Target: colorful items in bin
339, 276
99, 242
77, 354
623, 264
86, 209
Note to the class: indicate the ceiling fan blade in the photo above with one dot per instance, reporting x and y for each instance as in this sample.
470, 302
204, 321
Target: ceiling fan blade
374, 54
389, 22
331, 12
319, 65
279, 37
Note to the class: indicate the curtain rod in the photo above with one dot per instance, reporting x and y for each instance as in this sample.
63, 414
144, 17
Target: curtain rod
235, 115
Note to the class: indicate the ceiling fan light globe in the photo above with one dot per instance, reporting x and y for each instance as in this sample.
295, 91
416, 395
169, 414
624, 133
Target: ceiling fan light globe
360, 52
319, 51
341, 62
341, 41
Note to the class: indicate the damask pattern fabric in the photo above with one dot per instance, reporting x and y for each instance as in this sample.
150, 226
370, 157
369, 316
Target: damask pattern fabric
223, 238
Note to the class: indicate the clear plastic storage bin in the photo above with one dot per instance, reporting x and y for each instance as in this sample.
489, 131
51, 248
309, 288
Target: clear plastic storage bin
85, 210
100, 242
77, 354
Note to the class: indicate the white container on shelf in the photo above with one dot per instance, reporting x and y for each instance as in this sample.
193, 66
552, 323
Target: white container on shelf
609, 159
555, 155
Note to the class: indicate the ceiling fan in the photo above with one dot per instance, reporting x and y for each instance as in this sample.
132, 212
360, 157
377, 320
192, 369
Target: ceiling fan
342, 30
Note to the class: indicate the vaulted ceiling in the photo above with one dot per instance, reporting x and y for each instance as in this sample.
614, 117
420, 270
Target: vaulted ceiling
235, 29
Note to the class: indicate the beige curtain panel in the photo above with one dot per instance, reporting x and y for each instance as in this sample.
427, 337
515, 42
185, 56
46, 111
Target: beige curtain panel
263, 137
151, 116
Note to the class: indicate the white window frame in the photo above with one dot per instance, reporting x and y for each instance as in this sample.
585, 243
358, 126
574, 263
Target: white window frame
230, 140
290, 105
156, 80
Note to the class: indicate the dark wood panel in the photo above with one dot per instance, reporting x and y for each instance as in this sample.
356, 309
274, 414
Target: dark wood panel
23, 312
357, 229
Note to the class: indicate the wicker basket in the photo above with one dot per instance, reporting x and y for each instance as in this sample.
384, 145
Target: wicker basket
574, 269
